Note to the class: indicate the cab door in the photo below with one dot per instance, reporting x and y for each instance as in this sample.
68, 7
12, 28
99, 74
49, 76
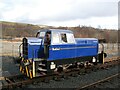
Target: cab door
47, 42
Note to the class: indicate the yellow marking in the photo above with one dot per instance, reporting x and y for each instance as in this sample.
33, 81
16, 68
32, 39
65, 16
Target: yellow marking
31, 74
23, 71
27, 71
22, 59
27, 60
33, 69
20, 68
103, 58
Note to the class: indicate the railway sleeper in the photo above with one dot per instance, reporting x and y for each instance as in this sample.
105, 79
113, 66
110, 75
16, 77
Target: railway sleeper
46, 80
9, 80
65, 75
57, 78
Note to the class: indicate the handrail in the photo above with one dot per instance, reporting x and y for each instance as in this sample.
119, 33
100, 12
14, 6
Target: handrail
20, 49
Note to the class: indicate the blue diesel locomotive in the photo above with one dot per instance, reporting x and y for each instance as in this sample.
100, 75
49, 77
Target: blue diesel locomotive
52, 49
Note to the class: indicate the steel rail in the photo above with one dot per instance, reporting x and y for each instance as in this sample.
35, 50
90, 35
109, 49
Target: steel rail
99, 81
47, 77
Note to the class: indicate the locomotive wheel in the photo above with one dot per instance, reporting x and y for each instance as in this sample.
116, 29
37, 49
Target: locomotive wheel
95, 63
60, 69
81, 65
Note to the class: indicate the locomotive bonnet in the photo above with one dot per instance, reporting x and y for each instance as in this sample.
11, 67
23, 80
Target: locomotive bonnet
53, 48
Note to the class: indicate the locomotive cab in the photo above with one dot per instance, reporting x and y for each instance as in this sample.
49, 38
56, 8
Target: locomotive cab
46, 36
54, 40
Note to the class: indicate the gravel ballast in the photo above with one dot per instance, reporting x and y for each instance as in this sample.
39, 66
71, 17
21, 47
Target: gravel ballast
79, 81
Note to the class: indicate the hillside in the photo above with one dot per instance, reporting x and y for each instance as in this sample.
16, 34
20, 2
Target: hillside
13, 29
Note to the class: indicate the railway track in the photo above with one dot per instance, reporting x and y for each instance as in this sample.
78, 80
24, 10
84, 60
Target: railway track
20, 81
95, 84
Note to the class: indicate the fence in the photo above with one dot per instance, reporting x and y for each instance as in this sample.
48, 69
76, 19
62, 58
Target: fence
10, 48
110, 48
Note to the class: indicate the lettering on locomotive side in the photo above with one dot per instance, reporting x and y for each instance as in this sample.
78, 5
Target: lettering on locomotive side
55, 49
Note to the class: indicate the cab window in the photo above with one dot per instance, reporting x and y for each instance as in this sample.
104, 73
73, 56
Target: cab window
55, 38
47, 38
64, 38
70, 38
67, 38
40, 34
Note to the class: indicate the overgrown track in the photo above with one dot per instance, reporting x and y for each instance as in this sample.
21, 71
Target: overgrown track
20, 81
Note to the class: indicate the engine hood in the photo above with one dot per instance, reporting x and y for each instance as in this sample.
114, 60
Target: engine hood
86, 40
34, 41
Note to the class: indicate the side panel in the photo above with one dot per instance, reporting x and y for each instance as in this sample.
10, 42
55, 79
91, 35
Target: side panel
61, 51
86, 50
35, 51
72, 51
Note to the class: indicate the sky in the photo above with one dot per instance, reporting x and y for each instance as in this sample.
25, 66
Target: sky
95, 13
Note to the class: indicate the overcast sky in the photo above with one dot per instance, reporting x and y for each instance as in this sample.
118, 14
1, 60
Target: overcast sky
95, 13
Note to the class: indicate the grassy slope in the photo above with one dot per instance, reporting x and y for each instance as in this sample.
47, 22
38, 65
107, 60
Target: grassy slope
13, 29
